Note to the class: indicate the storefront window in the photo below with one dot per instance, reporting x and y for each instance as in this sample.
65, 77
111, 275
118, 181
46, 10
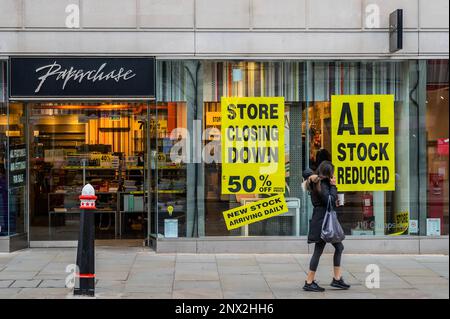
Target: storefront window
74, 143
253, 79
13, 164
17, 164
364, 213
4, 217
437, 132
176, 174
195, 88
168, 131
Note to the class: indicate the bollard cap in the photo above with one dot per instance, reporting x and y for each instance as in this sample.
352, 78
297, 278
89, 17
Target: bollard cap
88, 189
88, 197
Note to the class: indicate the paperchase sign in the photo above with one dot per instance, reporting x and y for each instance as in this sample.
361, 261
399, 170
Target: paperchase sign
84, 77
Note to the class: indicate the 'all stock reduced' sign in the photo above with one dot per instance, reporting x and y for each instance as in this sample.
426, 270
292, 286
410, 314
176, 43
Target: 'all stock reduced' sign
363, 142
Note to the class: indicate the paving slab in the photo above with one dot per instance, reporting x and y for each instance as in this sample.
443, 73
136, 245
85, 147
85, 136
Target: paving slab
441, 269
154, 283
411, 293
432, 258
239, 270
296, 295
295, 277
147, 295
5, 283
414, 272
43, 293
137, 273
196, 271
54, 276
248, 295
161, 270
53, 283
112, 275
237, 262
435, 291
244, 283
9, 293
17, 275
26, 283
109, 283
348, 295
187, 289
425, 280
281, 268
275, 259
151, 289
155, 257
112, 267
153, 264
196, 258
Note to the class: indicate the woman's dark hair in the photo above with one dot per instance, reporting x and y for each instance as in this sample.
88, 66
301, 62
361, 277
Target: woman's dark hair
322, 155
325, 170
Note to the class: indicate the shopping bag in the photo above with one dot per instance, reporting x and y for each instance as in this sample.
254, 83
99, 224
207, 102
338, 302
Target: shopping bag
332, 231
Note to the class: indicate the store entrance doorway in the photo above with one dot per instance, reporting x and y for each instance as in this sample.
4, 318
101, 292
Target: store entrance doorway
75, 143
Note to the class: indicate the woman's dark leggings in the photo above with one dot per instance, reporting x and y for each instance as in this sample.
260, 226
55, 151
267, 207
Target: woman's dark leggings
318, 250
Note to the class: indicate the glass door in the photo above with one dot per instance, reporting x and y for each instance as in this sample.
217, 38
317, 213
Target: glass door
104, 144
13, 165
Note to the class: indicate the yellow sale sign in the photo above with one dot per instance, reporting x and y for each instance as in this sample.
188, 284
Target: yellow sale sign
253, 145
363, 142
213, 118
255, 212
401, 223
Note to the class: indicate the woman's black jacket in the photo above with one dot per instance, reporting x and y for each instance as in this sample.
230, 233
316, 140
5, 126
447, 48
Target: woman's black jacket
319, 200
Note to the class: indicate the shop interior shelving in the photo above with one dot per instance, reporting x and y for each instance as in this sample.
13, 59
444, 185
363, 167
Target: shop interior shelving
113, 206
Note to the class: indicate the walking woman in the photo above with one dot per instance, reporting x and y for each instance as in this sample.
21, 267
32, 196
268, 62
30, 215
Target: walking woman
322, 186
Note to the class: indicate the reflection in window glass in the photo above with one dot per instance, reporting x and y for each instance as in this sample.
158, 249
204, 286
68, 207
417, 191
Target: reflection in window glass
437, 106
103, 144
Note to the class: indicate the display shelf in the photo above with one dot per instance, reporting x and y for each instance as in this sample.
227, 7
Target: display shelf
96, 168
85, 167
169, 168
78, 211
162, 191
133, 212
76, 193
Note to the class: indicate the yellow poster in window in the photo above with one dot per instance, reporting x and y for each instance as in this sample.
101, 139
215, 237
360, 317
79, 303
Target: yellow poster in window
214, 118
363, 142
255, 212
401, 223
253, 145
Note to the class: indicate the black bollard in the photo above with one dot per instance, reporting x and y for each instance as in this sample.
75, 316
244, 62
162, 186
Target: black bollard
86, 244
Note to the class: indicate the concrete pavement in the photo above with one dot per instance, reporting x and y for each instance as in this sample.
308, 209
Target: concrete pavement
132, 272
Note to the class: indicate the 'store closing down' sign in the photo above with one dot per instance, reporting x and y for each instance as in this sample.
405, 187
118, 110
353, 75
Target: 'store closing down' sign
363, 147
255, 212
253, 145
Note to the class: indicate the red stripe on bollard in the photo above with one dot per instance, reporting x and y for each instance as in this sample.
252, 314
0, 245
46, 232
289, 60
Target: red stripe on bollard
85, 275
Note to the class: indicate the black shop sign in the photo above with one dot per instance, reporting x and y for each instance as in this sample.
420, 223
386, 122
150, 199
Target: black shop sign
81, 77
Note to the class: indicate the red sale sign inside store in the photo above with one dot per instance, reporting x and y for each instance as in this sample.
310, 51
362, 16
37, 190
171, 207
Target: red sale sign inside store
442, 146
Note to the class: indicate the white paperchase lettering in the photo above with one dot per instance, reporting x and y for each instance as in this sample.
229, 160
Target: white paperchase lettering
80, 75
